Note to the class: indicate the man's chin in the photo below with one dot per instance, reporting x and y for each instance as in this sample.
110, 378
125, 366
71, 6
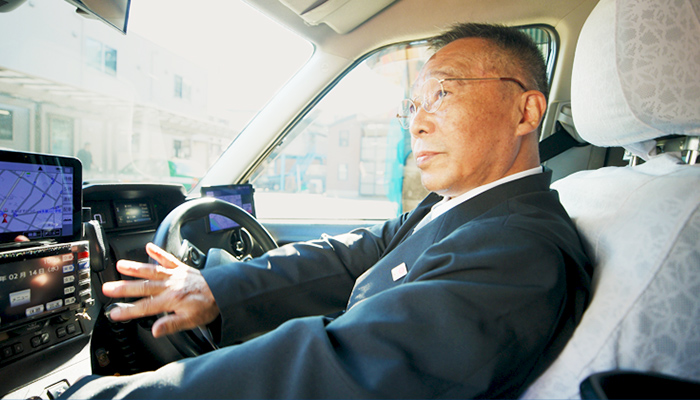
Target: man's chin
432, 185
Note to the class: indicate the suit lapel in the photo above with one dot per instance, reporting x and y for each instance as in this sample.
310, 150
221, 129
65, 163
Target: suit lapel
413, 219
482, 203
383, 275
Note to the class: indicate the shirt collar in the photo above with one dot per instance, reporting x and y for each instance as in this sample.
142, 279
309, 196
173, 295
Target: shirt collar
446, 204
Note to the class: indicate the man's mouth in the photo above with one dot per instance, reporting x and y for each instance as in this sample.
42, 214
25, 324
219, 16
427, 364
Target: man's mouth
423, 157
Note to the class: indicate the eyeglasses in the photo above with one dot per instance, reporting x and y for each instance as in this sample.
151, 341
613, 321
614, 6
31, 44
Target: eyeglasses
433, 93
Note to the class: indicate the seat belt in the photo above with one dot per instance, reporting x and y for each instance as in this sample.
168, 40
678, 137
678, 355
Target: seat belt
557, 143
565, 136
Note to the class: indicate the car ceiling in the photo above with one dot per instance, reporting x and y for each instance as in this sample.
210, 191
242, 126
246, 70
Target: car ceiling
416, 19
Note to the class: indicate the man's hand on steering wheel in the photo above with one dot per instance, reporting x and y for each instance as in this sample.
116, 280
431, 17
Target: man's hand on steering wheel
171, 287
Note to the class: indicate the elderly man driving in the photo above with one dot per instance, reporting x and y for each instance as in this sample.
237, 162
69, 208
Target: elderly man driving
472, 294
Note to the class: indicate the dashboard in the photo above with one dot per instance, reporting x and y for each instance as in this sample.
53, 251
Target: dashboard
53, 331
130, 213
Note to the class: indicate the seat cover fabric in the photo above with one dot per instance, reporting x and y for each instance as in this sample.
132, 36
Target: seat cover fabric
635, 76
641, 227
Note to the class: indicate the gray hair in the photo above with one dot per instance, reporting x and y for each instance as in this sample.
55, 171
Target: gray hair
516, 45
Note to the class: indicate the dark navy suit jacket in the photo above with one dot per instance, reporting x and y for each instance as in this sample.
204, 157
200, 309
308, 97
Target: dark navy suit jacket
474, 304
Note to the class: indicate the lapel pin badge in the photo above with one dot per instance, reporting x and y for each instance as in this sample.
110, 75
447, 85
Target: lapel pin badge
399, 272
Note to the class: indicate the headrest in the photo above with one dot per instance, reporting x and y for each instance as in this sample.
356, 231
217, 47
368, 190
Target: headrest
636, 73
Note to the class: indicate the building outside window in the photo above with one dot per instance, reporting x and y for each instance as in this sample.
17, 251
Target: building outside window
60, 134
183, 89
110, 62
344, 138
101, 57
342, 172
5, 124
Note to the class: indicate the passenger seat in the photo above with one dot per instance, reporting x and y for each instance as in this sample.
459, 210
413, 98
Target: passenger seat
636, 84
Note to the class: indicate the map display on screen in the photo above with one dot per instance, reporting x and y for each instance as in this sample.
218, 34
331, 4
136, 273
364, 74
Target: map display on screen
37, 200
240, 195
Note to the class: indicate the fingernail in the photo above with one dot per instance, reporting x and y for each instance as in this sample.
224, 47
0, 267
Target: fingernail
109, 286
157, 331
116, 312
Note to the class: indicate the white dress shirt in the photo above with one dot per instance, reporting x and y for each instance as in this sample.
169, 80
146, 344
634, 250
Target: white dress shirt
446, 204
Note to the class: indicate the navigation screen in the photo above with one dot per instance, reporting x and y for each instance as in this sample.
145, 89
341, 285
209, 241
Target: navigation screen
38, 196
240, 195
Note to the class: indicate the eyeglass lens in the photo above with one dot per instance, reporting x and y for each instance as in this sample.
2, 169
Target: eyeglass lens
430, 99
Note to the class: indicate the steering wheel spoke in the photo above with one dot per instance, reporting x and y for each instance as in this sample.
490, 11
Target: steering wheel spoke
169, 237
191, 255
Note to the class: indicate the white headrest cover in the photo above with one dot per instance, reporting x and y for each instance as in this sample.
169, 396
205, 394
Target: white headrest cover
636, 73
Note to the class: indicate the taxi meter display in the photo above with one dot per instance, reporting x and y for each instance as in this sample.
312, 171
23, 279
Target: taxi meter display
36, 283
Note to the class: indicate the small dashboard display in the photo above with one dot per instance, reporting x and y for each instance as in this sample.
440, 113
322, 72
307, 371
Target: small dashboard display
240, 195
133, 213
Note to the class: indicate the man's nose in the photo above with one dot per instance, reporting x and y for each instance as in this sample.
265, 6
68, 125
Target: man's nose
422, 123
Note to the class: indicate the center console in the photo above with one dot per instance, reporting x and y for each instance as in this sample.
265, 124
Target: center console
45, 281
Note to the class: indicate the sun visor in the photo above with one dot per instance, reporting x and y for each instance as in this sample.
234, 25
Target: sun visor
341, 15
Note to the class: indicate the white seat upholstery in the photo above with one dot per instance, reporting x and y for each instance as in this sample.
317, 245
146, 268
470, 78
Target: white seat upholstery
636, 78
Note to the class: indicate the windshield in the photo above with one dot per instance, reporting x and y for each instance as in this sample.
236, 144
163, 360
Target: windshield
160, 103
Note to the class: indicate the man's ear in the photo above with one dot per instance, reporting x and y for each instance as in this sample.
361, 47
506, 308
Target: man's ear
532, 107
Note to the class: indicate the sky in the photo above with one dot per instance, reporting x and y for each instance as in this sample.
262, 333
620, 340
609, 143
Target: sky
247, 55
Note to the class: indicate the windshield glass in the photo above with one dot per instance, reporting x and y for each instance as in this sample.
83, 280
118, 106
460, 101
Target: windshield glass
160, 103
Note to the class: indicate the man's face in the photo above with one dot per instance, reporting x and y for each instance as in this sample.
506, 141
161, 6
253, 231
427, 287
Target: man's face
470, 140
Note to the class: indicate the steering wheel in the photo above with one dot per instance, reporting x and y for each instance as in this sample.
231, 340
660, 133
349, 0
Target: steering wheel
169, 237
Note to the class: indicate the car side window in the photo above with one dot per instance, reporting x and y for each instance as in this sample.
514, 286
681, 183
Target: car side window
348, 158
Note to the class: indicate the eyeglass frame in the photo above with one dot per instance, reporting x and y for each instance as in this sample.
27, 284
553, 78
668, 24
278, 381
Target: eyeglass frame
407, 125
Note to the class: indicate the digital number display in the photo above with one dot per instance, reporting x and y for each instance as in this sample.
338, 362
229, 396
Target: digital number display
36, 286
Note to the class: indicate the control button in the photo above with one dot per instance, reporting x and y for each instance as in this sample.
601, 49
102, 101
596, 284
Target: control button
17, 348
45, 337
30, 311
63, 317
70, 328
6, 352
36, 341
61, 332
109, 308
52, 305
57, 389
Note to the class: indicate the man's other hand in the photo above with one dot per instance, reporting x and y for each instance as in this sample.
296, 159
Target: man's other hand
171, 287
